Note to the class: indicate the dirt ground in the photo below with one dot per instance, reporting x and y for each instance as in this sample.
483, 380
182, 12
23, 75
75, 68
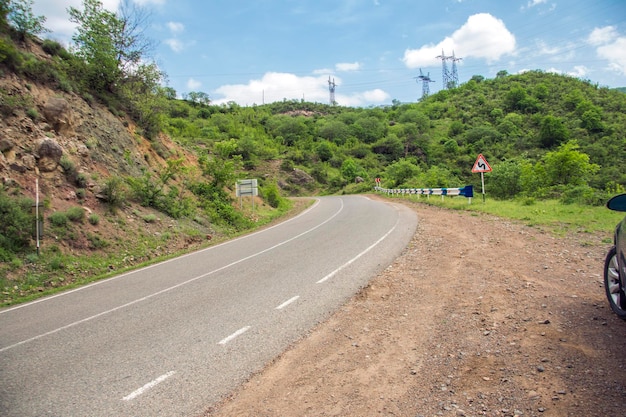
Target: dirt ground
479, 316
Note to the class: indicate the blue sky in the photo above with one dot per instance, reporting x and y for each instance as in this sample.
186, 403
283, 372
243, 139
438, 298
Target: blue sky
260, 51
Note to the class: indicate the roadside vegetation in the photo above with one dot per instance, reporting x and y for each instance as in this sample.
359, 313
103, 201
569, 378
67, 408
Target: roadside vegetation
557, 146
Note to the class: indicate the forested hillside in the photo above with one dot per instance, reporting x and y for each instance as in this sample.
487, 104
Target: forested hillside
100, 129
545, 135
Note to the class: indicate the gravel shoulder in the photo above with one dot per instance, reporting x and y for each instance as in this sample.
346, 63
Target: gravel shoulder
479, 316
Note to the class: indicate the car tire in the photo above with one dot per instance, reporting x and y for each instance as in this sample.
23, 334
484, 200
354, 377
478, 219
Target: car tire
612, 279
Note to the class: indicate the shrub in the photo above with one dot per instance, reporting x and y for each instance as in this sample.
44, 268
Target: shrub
32, 114
96, 241
81, 179
114, 192
17, 222
58, 219
149, 218
76, 214
271, 193
94, 219
69, 168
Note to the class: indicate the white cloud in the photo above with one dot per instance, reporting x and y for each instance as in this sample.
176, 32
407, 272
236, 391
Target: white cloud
174, 44
615, 53
348, 66
147, 2
611, 46
193, 85
367, 97
601, 36
533, 3
276, 86
579, 71
175, 27
482, 36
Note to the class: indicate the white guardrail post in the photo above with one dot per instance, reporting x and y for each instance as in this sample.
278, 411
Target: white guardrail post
467, 191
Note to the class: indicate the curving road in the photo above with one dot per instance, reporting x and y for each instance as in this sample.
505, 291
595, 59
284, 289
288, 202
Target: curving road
172, 338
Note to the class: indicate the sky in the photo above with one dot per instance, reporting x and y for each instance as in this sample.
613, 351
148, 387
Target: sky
254, 52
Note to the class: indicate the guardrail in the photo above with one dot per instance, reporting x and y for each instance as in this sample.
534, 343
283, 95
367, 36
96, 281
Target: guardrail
467, 191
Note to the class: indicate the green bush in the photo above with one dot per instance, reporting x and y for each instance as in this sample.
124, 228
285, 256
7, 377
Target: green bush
149, 218
58, 219
271, 193
32, 114
94, 219
16, 226
9, 55
114, 192
76, 214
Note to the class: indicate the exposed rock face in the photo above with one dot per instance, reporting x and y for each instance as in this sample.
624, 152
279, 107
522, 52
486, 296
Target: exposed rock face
300, 177
6, 144
58, 113
49, 153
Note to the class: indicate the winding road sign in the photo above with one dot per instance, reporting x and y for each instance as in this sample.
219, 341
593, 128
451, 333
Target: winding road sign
481, 164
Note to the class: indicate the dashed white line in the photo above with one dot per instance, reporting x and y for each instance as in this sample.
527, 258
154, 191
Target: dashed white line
329, 276
286, 303
234, 335
149, 385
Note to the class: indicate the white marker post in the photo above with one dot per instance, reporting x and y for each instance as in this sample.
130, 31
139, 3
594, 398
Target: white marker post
37, 231
481, 165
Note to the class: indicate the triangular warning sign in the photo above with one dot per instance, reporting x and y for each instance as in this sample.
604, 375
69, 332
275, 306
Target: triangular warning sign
481, 164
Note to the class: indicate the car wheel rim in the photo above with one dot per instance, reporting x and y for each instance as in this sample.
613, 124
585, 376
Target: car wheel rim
613, 282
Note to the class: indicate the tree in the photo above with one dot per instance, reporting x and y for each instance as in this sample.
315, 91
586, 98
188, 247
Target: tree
20, 13
198, 97
4, 12
400, 172
95, 44
111, 44
568, 166
552, 131
504, 181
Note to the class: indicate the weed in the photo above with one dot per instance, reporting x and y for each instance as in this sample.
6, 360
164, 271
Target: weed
96, 241
150, 218
32, 113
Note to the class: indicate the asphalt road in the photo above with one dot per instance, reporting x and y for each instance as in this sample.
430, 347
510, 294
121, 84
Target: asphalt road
173, 338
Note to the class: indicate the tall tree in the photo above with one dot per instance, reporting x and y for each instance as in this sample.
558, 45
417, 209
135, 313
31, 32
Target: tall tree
112, 44
20, 14
95, 41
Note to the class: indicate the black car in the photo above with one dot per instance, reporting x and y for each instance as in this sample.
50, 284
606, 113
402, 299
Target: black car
615, 263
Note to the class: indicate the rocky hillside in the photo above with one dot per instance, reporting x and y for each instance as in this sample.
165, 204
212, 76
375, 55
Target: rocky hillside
56, 136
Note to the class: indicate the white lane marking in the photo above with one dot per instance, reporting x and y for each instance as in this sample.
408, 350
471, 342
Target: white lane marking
147, 297
84, 287
234, 335
286, 303
149, 385
332, 274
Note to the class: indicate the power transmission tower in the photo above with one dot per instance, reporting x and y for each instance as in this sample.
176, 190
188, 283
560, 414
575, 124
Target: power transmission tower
445, 74
454, 78
331, 88
450, 78
425, 79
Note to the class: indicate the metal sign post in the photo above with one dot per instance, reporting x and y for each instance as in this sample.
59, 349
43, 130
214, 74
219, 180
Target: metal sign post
247, 188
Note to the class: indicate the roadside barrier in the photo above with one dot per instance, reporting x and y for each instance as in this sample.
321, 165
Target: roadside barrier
467, 191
